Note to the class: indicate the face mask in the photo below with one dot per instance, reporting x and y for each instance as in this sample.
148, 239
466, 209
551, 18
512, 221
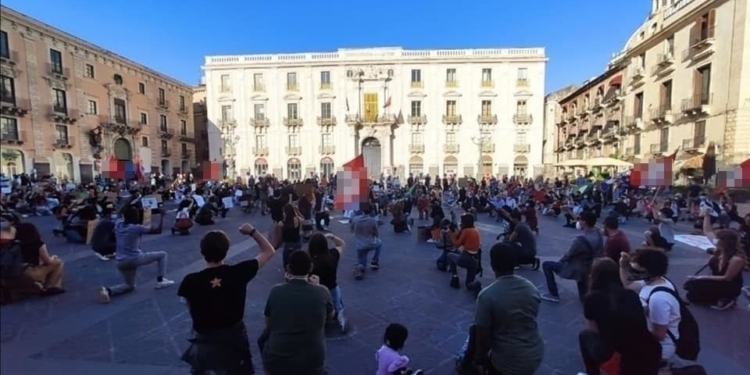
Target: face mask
636, 275
578, 225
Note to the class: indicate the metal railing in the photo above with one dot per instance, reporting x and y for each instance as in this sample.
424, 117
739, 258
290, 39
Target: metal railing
417, 84
9, 57
487, 83
522, 82
522, 118
417, 120
326, 86
259, 87
325, 121
292, 86
523, 147
696, 102
260, 151
487, 119
166, 152
186, 154
260, 122
294, 151
327, 149
162, 103
292, 121
10, 135
58, 71
453, 83
487, 147
452, 119
451, 147
416, 148
64, 142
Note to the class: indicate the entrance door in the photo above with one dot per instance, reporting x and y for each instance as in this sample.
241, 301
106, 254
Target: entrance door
371, 107
371, 153
123, 151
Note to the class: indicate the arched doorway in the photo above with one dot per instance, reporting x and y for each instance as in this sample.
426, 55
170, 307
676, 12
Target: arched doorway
450, 165
326, 167
486, 165
520, 166
185, 167
260, 167
123, 150
416, 165
64, 166
293, 170
372, 155
12, 162
165, 167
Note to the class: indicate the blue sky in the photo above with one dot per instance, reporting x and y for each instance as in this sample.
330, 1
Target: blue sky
174, 36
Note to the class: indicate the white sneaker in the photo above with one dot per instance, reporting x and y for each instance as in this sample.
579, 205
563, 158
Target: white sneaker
103, 295
163, 283
341, 319
100, 256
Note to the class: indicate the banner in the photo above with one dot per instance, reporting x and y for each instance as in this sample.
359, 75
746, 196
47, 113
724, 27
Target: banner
352, 185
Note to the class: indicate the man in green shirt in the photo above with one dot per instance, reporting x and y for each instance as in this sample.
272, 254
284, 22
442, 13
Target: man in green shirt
507, 338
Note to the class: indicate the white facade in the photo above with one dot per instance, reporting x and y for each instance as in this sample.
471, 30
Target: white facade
296, 114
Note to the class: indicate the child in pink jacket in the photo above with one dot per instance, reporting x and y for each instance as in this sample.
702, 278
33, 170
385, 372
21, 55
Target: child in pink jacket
390, 361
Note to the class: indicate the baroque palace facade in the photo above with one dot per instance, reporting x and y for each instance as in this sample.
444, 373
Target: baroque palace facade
682, 81
460, 112
66, 106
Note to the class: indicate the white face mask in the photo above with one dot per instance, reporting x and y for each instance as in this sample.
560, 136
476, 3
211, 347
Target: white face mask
578, 225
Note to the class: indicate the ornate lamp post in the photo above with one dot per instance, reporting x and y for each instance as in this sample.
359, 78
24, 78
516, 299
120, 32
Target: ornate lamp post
480, 141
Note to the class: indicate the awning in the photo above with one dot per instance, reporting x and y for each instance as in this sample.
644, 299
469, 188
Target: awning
695, 162
571, 163
611, 92
617, 80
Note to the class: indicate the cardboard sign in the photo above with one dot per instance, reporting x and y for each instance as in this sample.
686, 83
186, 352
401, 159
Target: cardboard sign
199, 201
149, 203
228, 202
147, 218
91, 225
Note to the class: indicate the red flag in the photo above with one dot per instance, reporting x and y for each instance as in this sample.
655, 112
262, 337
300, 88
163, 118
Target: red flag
738, 177
356, 163
387, 103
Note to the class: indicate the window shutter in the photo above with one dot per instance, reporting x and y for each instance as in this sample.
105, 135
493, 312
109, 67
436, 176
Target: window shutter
662, 95
695, 31
711, 22
697, 88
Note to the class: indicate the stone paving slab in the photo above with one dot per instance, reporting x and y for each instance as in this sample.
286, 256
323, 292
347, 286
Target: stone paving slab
145, 332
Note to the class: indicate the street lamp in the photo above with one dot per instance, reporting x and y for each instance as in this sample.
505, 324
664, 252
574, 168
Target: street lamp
480, 141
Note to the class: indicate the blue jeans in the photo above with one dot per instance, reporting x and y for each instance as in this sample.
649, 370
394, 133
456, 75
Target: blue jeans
128, 268
550, 268
74, 236
338, 304
362, 254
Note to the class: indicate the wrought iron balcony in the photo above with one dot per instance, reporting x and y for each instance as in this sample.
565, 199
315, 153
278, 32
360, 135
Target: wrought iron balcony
636, 74
522, 119
292, 121
294, 151
14, 106
326, 121
326, 86
292, 86
62, 114
58, 72
698, 104
416, 148
260, 151
259, 87
417, 120
65, 142
186, 137
452, 119
260, 122
165, 133
9, 57
417, 84
162, 104
487, 147
487, 119
228, 123
664, 63
327, 150
522, 82
522, 148
451, 148
701, 44
183, 110
488, 83
186, 154
120, 124
166, 152
451, 84
633, 122
693, 145
12, 136
662, 115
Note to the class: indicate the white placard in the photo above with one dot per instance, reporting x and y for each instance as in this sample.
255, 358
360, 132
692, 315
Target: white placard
149, 203
701, 242
228, 202
238, 193
199, 201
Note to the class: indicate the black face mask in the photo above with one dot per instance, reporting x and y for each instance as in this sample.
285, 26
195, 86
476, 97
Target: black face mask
636, 275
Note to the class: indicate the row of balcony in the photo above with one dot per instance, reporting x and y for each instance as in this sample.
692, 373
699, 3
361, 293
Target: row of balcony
163, 104
520, 119
451, 148
294, 86
700, 47
12, 136
166, 152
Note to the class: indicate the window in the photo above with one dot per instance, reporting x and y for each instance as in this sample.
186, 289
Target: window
55, 58
182, 103
294, 170
663, 139
163, 122
450, 75
183, 148
4, 47
89, 71
144, 141
638, 105
349, 74
141, 88
523, 76
486, 75
226, 113
450, 138
291, 111
326, 139
162, 96
416, 76
183, 127
258, 82
9, 128
699, 134
144, 118
164, 146
325, 110
120, 116
704, 87
259, 112
61, 101
260, 140
61, 134
486, 108
416, 138
293, 140
291, 81
92, 107
637, 144
666, 95
225, 83
390, 73
8, 90
521, 138
521, 107
118, 79
325, 80
416, 108
642, 60
450, 108
669, 46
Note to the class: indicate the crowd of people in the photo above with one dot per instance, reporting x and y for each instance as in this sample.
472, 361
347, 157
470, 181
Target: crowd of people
636, 321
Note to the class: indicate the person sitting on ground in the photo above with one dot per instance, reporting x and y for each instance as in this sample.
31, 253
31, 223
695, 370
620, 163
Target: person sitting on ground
654, 240
15, 284
128, 232
182, 222
389, 357
43, 268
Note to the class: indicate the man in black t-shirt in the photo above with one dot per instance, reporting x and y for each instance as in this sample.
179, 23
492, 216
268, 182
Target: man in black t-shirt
216, 299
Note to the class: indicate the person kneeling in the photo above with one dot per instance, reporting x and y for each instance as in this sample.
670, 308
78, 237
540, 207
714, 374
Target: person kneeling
469, 256
182, 222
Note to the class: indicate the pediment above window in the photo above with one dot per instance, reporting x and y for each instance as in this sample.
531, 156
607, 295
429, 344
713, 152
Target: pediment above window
487, 94
523, 94
225, 99
326, 96
259, 98
417, 94
452, 94
292, 97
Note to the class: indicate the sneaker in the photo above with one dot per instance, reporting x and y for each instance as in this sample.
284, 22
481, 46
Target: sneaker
163, 283
550, 298
431, 240
724, 306
103, 295
341, 320
455, 283
101, 257
359, 273
374, 266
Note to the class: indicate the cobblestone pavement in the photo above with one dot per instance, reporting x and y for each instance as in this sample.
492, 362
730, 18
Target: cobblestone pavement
145, 332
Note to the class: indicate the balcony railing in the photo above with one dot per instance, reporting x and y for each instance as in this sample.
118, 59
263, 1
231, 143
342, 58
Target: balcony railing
186, 136
488, 83
186, 154
260, 122
451, 148
451, 84
697, 104
693, 144
9, 58
655, 148
226, 123
292, 121
183, 110
417, 120
166, 152
225, 89
294, 151
64, 115
702, 37
14, 106
522, 82
120, 124
487, 119
166, 133
162, 104
12, 136
417, 84
487, 148
522, 119
663, 114
326, 121
259, 87
416, 148
633, 122
260, 151
58, 72
631, 151
327, 150
523, 148
326, 86
452, 119
292, 86
636, 74
64, 142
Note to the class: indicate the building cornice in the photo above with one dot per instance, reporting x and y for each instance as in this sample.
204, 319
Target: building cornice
590, 84
376, 55
16, 19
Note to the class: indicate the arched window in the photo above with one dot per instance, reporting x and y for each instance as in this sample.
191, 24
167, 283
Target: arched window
118, 79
